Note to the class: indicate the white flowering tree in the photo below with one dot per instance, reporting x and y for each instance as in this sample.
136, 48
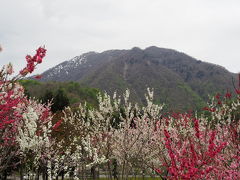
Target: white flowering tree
116, 131
34, 138
88, 134
136, 141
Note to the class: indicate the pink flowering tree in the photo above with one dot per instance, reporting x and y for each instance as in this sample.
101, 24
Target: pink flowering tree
136, 142
11, 100
205, 146
24, 124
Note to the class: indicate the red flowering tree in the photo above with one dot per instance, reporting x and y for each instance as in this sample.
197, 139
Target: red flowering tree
24, 123
205, 146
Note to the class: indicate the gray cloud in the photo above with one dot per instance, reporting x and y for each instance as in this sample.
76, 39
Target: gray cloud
205, 29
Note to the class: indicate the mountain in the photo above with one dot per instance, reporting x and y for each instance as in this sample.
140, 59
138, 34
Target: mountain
179, 80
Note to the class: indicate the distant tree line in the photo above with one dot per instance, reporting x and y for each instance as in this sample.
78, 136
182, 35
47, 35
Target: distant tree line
59, 99
60, 94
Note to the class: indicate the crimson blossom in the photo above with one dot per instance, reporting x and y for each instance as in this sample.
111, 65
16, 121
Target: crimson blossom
204, 147
18, 114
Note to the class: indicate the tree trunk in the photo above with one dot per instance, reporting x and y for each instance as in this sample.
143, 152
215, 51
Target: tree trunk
127, 170
143, 174
44, 173
109, 170
21, 173
37, 175
62, 174
5, 175
93, 172
115, 172
43, 176
123, 169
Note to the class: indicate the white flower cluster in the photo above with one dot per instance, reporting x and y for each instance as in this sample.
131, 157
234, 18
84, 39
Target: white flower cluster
27, 137
130, 145
34, 136
8, 69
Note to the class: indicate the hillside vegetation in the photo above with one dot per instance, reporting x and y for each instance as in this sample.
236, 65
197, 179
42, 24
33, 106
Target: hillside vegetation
179, 80
72, 90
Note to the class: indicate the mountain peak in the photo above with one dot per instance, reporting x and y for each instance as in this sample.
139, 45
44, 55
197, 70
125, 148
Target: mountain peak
175, 76
136, 49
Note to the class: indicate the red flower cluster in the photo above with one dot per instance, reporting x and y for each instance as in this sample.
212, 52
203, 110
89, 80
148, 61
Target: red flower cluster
38, 77
55, 127
195, 151
33, 61
228, 95
12, 98
196, 127
217, 96
209, 109
8, 116
212, 149
172, 168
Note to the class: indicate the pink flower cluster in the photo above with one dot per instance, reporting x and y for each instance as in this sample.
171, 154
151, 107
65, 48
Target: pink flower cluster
33, 61
13, 106
198, 150
9, 116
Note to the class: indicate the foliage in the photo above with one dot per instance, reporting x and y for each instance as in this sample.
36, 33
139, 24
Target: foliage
47, 97
75, 92
60, 101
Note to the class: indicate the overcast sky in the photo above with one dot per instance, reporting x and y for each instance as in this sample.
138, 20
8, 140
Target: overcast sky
208, 30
